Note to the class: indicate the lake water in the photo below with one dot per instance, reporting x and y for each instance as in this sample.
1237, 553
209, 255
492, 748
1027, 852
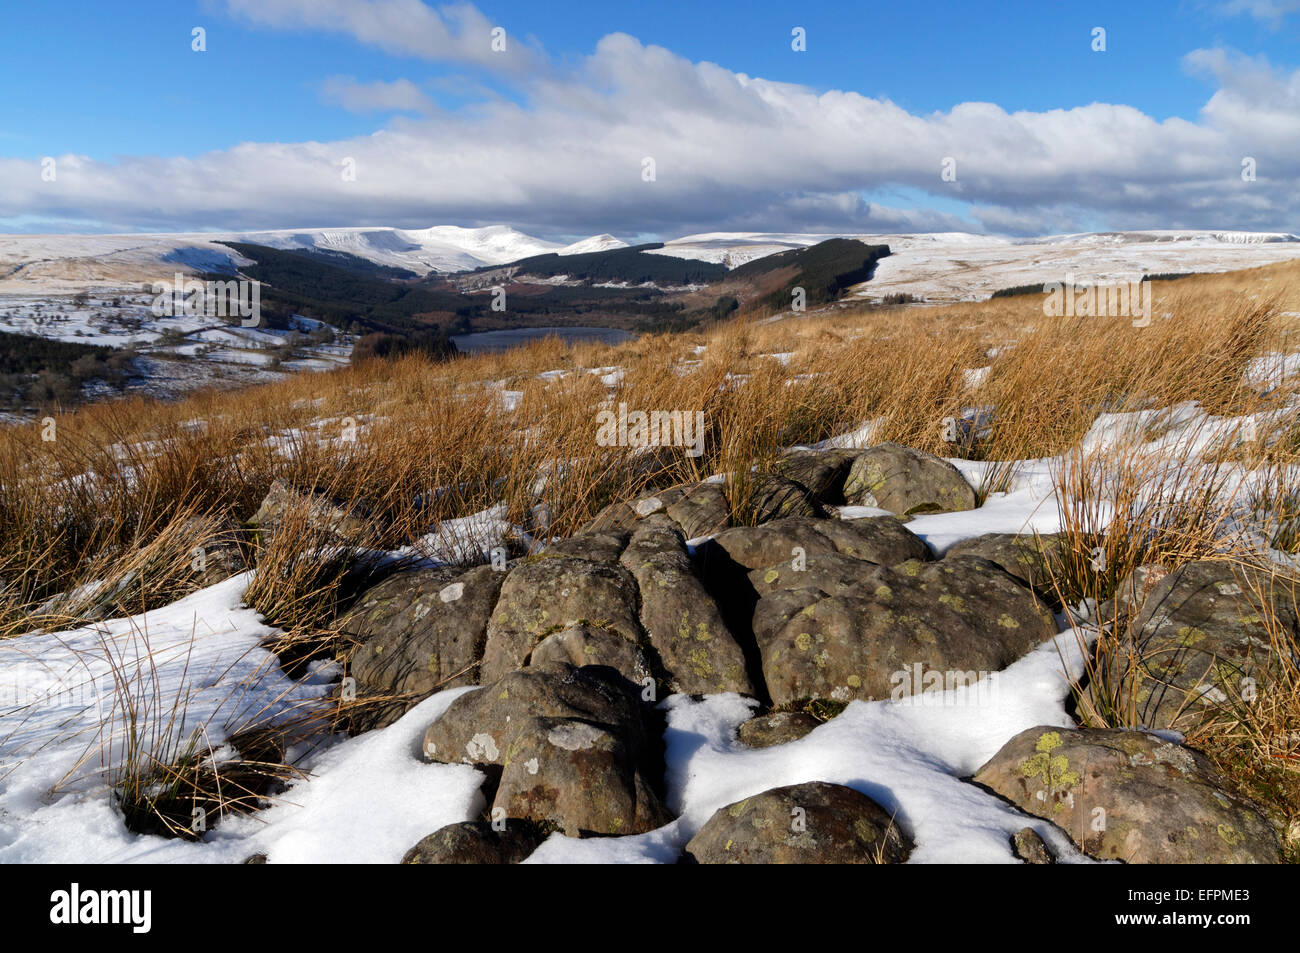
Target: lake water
504, 340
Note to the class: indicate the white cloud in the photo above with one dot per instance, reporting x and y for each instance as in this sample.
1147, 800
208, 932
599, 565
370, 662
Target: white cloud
399, 96
1271, 12
457, 33
731, 152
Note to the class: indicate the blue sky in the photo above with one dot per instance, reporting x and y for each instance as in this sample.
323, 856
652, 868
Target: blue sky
116, 88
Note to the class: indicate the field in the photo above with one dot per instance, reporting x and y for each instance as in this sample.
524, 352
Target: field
1153, 445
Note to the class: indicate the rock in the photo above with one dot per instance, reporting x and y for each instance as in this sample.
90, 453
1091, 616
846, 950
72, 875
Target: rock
602, 547
822, 472
828, 573
476, 842
906, 481
1130, 796
580, 645
813, 823
317, 511
788, 588
571, 745
776, 497
617, 517
877, 539
882, 540
743, 548
702, 510
420, 631
772, 613
1029, 847
545, 594
657, 502
683, 624
219, 556
776, 728
1025, 556
1202, 642
961, 616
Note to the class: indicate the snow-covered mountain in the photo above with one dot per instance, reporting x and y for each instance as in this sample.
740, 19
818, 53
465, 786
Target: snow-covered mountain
960, 266
936, 266
65, 264
595, 243
442, 248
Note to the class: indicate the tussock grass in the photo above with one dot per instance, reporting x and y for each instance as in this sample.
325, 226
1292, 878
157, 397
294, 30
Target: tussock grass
102, 518
161, 761
416, 444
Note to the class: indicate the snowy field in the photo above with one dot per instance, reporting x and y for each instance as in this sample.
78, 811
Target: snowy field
44, 277
65, 264
940, 266
956, 266
176, 353
371, 797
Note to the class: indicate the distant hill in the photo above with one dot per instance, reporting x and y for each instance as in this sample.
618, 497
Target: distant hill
823, 270
631, 265
330, 288
363, 299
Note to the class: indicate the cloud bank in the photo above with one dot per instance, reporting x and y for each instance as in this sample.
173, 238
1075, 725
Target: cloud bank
729, 151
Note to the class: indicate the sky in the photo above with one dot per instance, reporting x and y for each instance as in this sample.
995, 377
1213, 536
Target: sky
650, 120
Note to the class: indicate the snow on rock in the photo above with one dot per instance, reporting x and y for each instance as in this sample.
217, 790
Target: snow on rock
910, 756
1028, 507
466, 539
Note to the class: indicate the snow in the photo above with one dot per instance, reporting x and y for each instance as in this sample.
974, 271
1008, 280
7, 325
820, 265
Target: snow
595, 243
213, 350
958, 266
1028, 507
62, 724
65, 264
467, 539
369, 798
940, 266
911, 756
364, 800
1268, 372
368, 801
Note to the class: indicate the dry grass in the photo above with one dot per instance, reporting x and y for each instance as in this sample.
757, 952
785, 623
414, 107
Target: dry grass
109, 509
418, 443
